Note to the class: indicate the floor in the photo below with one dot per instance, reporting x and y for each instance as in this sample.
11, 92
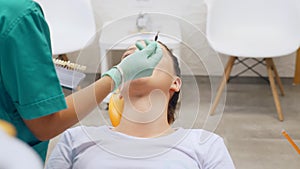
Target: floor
248, 124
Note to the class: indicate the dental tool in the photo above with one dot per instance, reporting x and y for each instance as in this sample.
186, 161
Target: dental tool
156, 36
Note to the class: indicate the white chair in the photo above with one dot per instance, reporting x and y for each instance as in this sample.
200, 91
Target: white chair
71, 24
72, 28
252, 29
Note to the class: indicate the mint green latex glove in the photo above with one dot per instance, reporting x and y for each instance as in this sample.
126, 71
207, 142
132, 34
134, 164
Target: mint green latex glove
139, 64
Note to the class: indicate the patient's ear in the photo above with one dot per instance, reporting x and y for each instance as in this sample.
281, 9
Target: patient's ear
176, 85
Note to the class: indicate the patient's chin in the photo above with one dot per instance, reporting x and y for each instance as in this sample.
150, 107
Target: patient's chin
139, 87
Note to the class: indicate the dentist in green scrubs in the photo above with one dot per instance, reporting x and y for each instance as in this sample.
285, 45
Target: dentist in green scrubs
31, 97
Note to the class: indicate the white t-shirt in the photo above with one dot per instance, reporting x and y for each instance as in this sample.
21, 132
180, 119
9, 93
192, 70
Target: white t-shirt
100, 147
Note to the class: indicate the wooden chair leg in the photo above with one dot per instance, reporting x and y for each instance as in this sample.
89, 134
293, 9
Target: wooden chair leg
277, 77
273, 87
297, 69
223, 83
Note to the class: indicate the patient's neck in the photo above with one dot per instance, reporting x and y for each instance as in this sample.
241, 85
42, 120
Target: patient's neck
145, 116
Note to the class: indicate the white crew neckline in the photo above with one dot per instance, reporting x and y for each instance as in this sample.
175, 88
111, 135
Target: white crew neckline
108, 130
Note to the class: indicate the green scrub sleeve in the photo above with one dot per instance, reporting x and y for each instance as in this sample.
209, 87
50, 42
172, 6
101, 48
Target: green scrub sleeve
29, 74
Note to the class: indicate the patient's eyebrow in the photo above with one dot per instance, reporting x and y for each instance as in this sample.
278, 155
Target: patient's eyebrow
131, 48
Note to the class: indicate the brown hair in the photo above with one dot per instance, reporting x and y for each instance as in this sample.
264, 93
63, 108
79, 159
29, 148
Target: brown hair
174, 99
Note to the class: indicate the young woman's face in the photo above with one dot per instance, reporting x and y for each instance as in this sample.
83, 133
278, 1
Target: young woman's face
163, 77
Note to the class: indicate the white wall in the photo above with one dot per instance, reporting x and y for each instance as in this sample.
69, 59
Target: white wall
193, 11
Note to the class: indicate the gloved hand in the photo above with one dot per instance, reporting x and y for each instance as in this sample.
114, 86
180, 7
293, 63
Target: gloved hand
138, 64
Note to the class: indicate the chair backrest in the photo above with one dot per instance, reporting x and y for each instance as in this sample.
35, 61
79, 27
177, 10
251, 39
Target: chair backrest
71, 24
253, 22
